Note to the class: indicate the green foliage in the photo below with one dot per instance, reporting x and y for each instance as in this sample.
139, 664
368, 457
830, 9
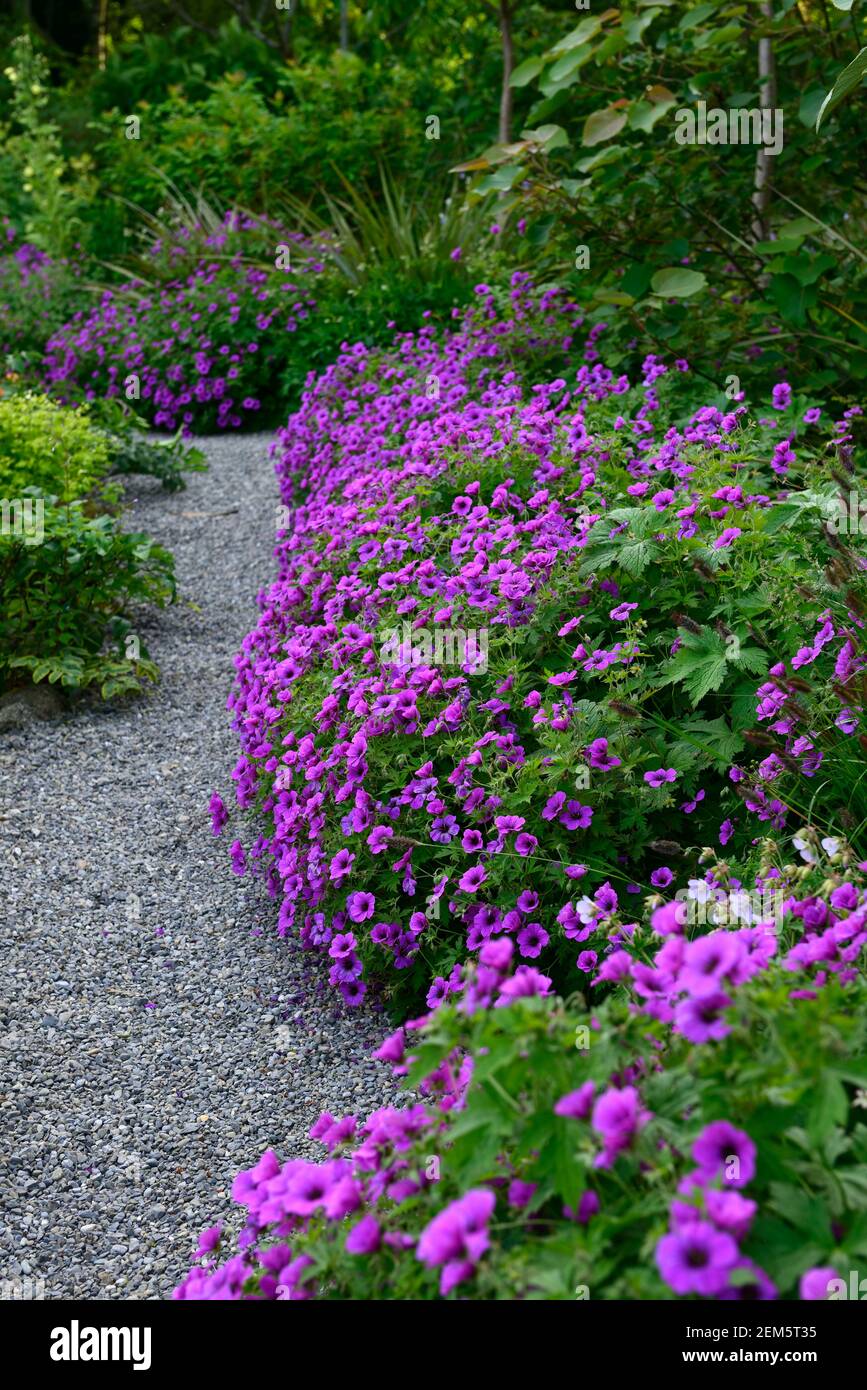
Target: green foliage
65, 600
848, 80
54, 201
45, 447
779, 288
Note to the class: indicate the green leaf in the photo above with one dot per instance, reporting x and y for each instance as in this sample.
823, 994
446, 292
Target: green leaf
697, 16
645, 114
569, 63
635, 557
501, 179
792, 300
848, 80
830, 1107
526, 71
603, 125
700, 665
677, 282
810, 105
637, 280
587, 29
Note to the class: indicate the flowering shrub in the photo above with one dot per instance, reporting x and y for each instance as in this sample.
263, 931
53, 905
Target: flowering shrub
618, 1146
526, 645
37, 294
200, 344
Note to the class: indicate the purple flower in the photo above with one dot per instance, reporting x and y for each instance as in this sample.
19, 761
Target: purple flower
726, 537
457, 1237
722, 1149
814, 1283
378, 838
531, 940
208, 1241
699, 1018
360, 906
365, 1237
696, 1259
598, 756
659, 776
622, 611
342, 946
472, 879
219, 814
576, 1105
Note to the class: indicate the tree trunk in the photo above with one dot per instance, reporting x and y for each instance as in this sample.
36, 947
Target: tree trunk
101, 35
508, 63
767, 101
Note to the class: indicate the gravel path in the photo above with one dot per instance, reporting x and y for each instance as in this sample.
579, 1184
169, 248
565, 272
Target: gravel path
149, 1048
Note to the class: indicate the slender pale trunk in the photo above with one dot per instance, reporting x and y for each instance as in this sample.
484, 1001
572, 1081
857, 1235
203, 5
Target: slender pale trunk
767, 101
508, 63
101, 35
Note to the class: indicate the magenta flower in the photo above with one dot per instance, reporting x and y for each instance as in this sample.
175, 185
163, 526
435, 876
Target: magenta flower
360, 906
365, 1237
814, 1283
472, 879
457, 1237
722, 1150
659, 776
576, 1105
697, 1259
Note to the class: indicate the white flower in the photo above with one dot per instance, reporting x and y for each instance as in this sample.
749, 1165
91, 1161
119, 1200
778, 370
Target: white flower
698, 890
803, 848
830, 846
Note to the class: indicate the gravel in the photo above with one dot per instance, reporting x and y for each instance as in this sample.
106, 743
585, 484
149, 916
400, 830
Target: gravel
155, 1034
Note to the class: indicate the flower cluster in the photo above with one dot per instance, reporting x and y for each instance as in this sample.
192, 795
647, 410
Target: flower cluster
409, 797
551, 1178
200, 343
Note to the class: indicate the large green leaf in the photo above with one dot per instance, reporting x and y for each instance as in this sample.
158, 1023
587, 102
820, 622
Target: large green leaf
526, 71
603, 125
568, 64
677, 282
848, 80
587, 29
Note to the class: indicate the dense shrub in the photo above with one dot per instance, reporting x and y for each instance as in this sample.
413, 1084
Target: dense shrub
531, 647
51, 450
37, 295
217, 327
67, 585
69, 575
203, 344
689, 1128
242, 141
